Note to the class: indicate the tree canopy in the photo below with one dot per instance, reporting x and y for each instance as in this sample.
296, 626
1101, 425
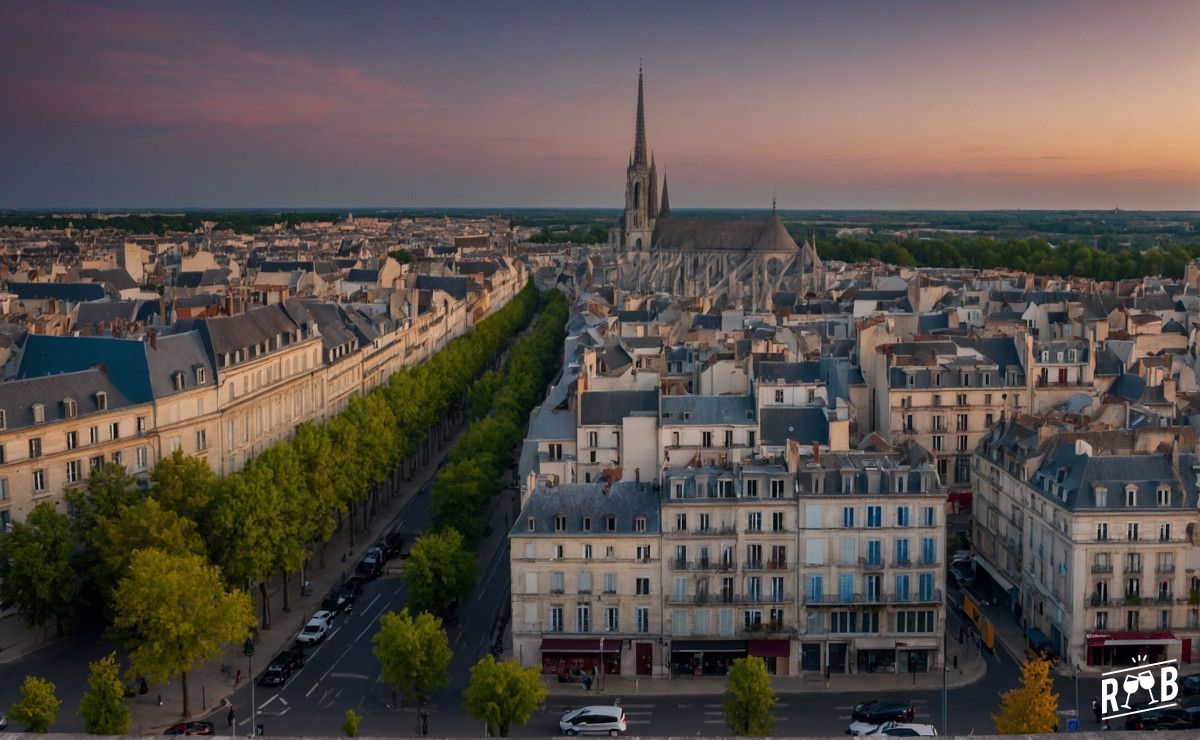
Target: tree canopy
177, 614
36, 568
103, 704
1032, 707
749, 698
438, 571
503, 694
413, 652
38, 706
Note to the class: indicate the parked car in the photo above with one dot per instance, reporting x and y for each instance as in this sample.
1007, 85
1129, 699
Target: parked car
3, 721
904, 729
335, 602
876, 712
594, 720
356, 583
371, 564
394, 544
1190, 706
191, 728
1189, 685
278, 672
317, 628
294, 657
1168, 718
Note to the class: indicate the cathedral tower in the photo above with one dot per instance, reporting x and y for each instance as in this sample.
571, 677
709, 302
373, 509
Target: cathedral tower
641, 188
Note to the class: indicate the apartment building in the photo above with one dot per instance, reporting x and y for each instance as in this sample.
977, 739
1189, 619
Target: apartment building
872, 568
729, 543
1090, 537
586, 579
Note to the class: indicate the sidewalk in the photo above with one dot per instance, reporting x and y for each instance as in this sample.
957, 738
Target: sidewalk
209, 686
18, 639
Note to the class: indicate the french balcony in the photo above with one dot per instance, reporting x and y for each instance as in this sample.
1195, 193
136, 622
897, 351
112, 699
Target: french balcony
1164, 568
1133, 569
1102, 568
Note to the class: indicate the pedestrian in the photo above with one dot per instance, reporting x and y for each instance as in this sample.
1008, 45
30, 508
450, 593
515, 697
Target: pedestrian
1096, 709
160, 700
237, 677
587, 682
230, 718
259, 730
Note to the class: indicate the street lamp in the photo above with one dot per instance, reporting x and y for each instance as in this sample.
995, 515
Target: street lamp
248, 649
601, 687
1075, 680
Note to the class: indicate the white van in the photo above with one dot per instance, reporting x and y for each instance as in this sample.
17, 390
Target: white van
595, 720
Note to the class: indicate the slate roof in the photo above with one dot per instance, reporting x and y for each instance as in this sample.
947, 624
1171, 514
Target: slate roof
626, 502
1128, 387
17, 397
707, 410
705, 321
360, 275
806, 424
702, 234
217, 277
226, 334
75, 292
455, 286
94, 312
1077, 475
610, 407
117, 279
788, 372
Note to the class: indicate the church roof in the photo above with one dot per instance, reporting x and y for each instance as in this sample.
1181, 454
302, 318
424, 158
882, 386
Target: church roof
703, 234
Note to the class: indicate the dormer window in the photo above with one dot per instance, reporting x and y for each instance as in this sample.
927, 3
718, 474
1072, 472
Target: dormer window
560, 522
201, 375
101, 401
530, 524
177, 379
610, 523
1164, 496
3, 419
1101, 494
70, 408
1131, 495
587, 524
1073, 355
1044, 356
39, 413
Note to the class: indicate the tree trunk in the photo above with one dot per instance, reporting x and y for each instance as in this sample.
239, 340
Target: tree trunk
323, 552
287, 607
266, 605
351, 519
183, 684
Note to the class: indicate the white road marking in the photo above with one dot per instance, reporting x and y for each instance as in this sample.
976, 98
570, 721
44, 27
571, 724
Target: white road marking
371, 604
268, 701
283, 700
370, 624
314, 688
350, 675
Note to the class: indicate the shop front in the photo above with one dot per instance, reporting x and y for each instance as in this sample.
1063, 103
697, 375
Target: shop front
775, 654
706, 657
875, 655
573, 658
1120, 648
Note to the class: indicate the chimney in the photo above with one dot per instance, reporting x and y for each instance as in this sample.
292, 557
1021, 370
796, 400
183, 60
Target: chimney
228, 304
816, 452
637, 475
152, 337
1168, 389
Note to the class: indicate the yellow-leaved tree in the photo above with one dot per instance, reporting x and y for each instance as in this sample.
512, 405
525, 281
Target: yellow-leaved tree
1031, 708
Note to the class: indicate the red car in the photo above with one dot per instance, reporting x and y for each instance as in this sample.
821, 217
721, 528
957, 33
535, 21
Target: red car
191, 728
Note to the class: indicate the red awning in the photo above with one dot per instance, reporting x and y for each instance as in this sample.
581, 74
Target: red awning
1097, 639
586, 645
769, 648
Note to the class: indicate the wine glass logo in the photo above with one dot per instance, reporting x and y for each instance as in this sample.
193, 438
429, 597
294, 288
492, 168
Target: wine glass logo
1130, 684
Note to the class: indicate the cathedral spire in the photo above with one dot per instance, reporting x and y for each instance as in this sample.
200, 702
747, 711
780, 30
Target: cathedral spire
639, 139
664, 209
652, 202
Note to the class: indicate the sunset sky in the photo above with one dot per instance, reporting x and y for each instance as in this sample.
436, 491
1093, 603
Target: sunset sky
956, 105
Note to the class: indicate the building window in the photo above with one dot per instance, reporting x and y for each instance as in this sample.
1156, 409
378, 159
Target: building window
1130, 496
937, 443
777, 521
1102, 531
612, 619
530, 524
641, 586
93, 435
639, 524
556, 619
39, 413
593, 439
96, 462
706, 439
961, 400
70, 408
927, 516
643, 553
587, 524
681, 522
3, 489
777, 488
1164, 532
610, 523
587, 552
902, 516
39, 480
560, 522
779, 396
102, 401
116, 457
962, 442
1131, 531
610, 583
73, 469
729, 438
1131, 620
1101, 620
139, 457
35, 447
1164, 497
642, 617
751, 486
874, 516
754, 521
72, 440
583, 582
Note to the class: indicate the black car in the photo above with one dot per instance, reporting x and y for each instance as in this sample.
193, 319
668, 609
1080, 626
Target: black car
277, 673
393, 544
1158, 719
372, 563
294, 657
1190, 685
877, 712
191, 728
336, 602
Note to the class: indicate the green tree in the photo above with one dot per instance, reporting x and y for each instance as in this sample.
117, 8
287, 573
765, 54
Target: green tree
350, 723
36, 570
1032, 707
503, 694
749, 698
38, 706
438, 571
403, 256
103, 705
184, 485
177, 614
246, 530
137, 527
108, 488
414, 654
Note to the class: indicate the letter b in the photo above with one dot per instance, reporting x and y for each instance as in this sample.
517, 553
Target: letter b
1168, 683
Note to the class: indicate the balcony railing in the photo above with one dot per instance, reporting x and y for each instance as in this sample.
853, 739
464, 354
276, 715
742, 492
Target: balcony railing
1102, 568
754, 565
841, 599
1132, 568
1165, 568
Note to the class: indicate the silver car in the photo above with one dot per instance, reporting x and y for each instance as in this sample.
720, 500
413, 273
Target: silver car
594, 720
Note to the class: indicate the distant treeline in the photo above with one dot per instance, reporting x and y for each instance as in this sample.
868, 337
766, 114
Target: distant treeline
1032, 255
242, 223
579, 235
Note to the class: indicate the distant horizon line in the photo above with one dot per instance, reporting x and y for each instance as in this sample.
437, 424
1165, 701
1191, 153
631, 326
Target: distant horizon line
163, 210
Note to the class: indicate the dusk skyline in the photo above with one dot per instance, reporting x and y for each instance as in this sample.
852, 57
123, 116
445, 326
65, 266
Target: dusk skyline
864, 105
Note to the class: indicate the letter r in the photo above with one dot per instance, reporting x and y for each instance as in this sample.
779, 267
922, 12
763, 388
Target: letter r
1108, 696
